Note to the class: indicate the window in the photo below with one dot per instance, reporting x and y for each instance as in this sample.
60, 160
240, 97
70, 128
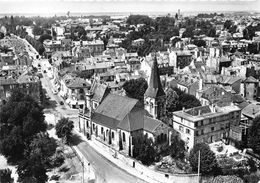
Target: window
87, 123
102, 130
202, 132
212, 129
196, 124
201, 123
181, 128
95, 105
113, 135
123, 137
188, 131
197, 133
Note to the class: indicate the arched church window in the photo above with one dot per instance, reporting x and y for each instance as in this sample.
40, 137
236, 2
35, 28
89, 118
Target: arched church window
123, 136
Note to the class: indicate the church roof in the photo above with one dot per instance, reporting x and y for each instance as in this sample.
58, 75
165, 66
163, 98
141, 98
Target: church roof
155, 87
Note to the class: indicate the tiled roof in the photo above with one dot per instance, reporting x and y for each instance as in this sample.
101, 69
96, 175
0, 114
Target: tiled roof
251, 110
154, 89
9, 81
251, 79
113, 109
134, 120
78, 83
99, 91
151, 124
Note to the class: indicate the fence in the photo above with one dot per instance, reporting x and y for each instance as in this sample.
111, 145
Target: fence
144, 170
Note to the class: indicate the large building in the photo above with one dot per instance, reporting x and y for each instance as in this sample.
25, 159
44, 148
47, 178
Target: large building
206, 123
154, 97
118, 120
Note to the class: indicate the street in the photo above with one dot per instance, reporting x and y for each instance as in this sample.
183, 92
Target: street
105, 170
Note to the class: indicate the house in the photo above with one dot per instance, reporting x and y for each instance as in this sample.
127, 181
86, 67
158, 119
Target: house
29, 84
248, 114
213, 94
180, 59
138, 42
77, 88
205, 123
249, 88
94, 97
186, 83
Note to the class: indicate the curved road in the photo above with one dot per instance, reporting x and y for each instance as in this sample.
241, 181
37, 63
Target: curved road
106, 171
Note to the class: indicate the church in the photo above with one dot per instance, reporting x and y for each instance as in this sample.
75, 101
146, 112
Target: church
117, 120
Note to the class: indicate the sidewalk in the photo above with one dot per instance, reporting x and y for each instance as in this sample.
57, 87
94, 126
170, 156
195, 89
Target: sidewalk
118, 162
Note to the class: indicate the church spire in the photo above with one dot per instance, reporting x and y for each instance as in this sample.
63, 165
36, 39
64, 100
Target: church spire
154, 89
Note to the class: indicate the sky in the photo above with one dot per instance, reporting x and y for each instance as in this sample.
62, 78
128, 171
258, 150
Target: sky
52, 7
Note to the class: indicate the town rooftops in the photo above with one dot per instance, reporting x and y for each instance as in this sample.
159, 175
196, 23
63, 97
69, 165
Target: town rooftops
251, 79
204, 112
113, 109
99, 91
150, 124
251, 110
78, 83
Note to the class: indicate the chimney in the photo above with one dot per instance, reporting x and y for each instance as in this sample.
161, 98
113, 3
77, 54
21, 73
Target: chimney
183, 109
200, 84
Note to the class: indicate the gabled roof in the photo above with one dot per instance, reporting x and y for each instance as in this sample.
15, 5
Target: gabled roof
113, 109
134, 120
154, 89
78, 83
251, 79
251, 110
99, 91
150, 124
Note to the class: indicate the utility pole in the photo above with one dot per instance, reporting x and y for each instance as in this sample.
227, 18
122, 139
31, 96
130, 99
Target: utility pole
199, 167
82, 163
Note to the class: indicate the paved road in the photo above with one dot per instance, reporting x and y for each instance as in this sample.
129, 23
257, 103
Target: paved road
106, 171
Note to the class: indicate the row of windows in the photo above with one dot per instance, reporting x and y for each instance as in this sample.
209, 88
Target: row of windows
213, 120
222, 127
181, 128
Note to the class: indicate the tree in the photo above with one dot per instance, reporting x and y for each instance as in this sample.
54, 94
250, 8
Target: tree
183, 100
227, 178
177, 148
254, 135
144, 149
64, 129
188, 32
40, 156
171, 101
21, 118
37, 30
208, 162
44, 37
212, 32
176, 16
32, 170
199, 43
136, 88
5, 175
227, 24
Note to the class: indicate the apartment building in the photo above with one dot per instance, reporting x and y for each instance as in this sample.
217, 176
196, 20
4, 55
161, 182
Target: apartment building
205, 123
